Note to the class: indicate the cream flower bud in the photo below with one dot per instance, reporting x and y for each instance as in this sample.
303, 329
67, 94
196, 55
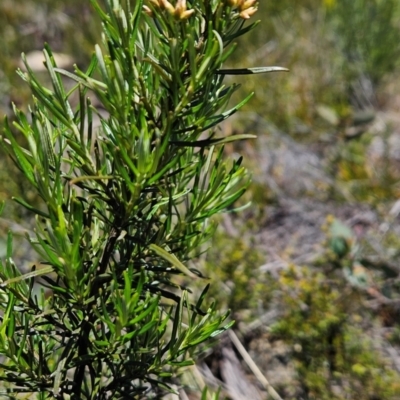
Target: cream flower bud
165, 4
247, 4
179, 12
148, 11
246, 14
180, 6
186, 14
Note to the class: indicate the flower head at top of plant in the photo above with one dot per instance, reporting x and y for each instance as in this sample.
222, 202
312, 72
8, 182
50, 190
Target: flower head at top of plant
246, 8
180, 11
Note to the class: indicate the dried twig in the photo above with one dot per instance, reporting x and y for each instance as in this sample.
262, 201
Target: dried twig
252, 365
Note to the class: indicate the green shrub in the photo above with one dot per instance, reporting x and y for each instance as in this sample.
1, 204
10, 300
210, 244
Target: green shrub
124, 208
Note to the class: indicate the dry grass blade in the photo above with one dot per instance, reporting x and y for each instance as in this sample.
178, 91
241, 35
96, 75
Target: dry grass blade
252, 365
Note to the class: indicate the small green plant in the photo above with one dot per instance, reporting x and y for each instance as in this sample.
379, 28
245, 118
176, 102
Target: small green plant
334, 359
126, 207
241, 289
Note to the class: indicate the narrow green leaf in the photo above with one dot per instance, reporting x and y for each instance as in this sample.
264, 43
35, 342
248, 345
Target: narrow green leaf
241, 31
21, 346
171, 258
102, 66
11, 325
57, 83
249, 71
58, 376
213, 142
6, 317
150, 308
83, 80
30, 208
20, 156
222, 117
177, 323
9, 244
222, 330
147, 327
42, 271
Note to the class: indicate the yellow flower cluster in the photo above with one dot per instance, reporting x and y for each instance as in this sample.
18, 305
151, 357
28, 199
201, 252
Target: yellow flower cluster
246, 8
179, 12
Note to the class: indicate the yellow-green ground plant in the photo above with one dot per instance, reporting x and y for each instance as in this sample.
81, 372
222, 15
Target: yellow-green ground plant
125, 207
334, 359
